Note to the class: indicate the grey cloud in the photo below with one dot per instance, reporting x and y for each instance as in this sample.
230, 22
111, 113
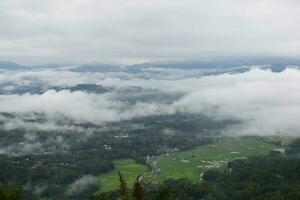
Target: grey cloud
135, 31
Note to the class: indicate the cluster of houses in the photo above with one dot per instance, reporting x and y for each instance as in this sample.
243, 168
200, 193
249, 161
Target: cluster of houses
107, 147
155, 170
125, 135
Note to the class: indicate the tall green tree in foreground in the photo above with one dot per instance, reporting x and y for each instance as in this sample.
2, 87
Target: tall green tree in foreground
123, 187
138, 192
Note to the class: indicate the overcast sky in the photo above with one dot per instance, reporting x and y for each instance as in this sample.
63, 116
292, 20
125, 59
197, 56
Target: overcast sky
130, 31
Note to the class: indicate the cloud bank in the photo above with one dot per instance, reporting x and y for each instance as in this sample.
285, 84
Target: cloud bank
267, 103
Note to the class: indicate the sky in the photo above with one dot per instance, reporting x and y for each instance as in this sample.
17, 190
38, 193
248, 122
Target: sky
134, 31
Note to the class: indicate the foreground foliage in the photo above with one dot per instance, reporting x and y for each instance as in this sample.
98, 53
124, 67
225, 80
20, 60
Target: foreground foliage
10, 193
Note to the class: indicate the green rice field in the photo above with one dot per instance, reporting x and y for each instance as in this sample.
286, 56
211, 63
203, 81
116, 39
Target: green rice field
190, 164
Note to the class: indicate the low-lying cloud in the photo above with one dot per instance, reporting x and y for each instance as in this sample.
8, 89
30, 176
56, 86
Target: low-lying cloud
79, 106
83, 183
265, 102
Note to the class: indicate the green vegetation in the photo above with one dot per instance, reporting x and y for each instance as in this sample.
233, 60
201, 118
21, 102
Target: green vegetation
294, 148
273, 177
130, 170
190, 164
9, 193
55, 166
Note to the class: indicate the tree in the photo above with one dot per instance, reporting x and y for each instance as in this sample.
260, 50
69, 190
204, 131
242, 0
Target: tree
138, 191
123, 187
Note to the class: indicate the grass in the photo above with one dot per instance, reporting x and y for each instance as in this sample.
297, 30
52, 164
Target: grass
130, 170
189, 164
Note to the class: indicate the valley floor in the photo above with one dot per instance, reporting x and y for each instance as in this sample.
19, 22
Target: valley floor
192, 163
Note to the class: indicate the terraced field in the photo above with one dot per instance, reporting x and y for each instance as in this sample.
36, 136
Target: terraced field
190, 164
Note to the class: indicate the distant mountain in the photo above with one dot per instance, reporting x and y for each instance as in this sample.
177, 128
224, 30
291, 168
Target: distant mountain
96, 68
220, 65
40, 89
11, 66
32, 89
50, 66
89, 88
214, 65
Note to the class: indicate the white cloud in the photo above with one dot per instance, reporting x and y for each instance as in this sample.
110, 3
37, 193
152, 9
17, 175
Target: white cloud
83, 183
266, 102
78, 106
